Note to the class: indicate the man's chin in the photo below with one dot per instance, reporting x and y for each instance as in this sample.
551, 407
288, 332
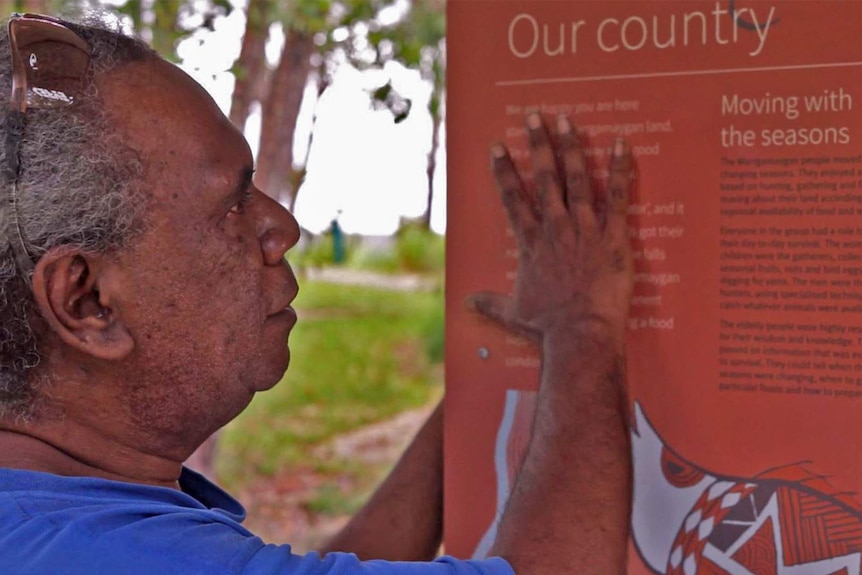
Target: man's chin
276, 375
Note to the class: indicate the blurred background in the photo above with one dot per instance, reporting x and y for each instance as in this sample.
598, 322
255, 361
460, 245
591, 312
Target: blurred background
343, 105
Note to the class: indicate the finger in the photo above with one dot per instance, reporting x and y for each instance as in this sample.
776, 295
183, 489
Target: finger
492, 306
512, 191
498, 309
546, 173
619, 183
579, 194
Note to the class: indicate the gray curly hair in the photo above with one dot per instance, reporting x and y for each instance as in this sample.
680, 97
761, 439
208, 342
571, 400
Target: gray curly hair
77, 186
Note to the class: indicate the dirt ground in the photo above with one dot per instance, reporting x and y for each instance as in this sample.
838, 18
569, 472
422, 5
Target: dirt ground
279, 509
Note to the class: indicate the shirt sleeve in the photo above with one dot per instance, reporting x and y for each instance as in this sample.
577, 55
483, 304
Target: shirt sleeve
276, 560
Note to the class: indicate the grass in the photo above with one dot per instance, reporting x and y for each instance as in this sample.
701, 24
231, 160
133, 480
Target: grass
414, 250
359, 355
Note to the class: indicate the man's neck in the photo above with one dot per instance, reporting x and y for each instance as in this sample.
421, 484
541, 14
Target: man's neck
63, 449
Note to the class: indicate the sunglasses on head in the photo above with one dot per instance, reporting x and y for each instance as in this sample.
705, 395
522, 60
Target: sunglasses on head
49, 65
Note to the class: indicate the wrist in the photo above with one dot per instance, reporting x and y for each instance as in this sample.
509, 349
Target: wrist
589, 337
585, 363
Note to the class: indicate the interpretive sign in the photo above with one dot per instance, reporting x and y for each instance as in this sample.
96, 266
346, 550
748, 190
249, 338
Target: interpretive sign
745, 334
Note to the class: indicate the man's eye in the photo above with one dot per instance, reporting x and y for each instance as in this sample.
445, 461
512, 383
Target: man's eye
239, 207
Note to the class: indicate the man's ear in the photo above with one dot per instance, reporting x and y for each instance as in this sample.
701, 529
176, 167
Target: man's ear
74, 296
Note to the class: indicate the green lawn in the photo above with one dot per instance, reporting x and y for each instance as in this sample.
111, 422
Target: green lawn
359, 355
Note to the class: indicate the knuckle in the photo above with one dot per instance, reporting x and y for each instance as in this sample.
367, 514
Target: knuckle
585, 220
510, 189
577, 184
568, 145
619, 260
558, 224
622, 163
537, 137
618, 192
510, 197
544, 178
506, 175
600, 203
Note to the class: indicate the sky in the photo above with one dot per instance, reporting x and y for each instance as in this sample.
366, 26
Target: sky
363, 168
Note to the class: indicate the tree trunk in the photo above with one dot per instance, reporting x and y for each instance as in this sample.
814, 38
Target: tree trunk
27, 6
299, 175
250, 68
431, 167
164, 29
280, 110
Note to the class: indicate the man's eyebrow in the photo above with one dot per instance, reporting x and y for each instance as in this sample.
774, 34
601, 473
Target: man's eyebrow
245, 179
244, 182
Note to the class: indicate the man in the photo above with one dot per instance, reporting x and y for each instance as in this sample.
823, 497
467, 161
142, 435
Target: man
144, 300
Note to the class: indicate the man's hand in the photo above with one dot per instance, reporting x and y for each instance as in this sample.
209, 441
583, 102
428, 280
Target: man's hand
575, 266
569, 509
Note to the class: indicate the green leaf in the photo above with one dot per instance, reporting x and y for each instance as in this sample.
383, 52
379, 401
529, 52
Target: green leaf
132, 9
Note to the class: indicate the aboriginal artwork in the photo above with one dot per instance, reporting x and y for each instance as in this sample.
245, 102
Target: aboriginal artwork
690, 521
687, 520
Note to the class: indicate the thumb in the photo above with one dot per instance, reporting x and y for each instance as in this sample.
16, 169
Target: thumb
492, 306
498, 308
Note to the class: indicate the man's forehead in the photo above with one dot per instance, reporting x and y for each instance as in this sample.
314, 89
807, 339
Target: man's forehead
172, 122
160, 106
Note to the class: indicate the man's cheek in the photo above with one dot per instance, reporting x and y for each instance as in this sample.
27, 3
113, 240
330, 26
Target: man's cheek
232, 262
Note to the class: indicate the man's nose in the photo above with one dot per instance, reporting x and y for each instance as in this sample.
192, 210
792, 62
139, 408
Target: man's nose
280, 231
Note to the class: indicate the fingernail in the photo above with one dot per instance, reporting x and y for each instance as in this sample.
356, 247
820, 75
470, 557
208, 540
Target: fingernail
534, 121
498, 151
563, 126
620, 148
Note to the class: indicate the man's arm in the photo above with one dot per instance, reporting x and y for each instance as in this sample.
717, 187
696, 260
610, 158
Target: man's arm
569, 509
403, 519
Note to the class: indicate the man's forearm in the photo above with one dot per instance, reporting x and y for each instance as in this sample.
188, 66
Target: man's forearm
403, 519
572, 496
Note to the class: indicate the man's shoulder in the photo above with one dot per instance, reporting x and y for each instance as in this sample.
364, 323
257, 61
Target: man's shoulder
78, 526
269, 560
61, 499
52, 524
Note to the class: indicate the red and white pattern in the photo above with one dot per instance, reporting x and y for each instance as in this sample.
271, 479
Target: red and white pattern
693, 536
688, 521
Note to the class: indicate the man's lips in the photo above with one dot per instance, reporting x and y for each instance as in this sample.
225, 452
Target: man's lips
286, 310
287, 314
289, 293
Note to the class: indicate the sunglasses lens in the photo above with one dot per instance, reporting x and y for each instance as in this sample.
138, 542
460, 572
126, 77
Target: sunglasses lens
54, 60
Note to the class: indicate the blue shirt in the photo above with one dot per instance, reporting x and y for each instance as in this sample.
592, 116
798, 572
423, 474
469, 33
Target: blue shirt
53, 525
